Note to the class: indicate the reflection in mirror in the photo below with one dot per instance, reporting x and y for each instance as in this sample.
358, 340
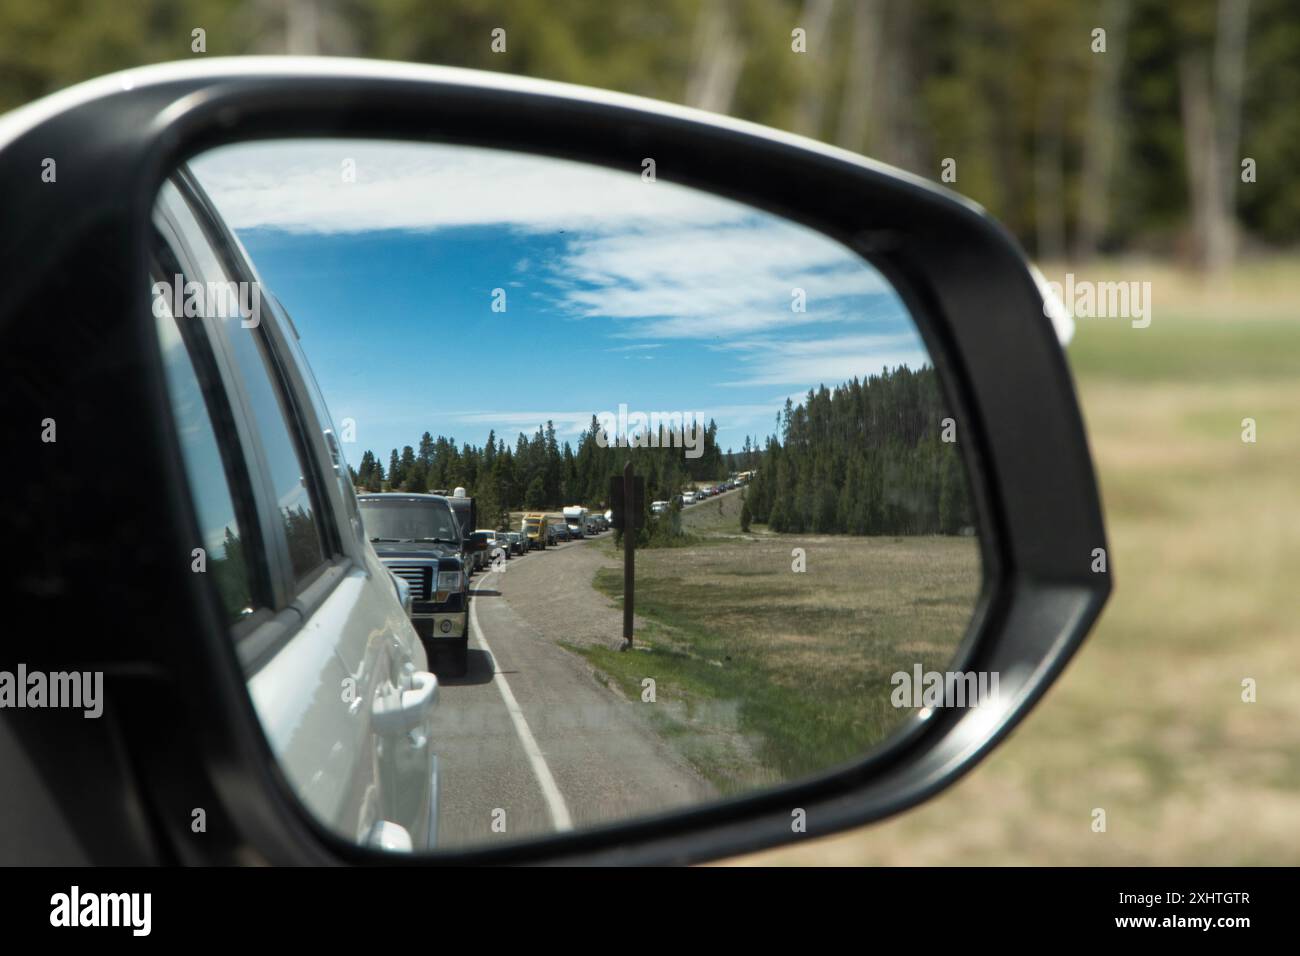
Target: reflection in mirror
497, 335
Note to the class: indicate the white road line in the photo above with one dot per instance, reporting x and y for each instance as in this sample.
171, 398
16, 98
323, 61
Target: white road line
550, 792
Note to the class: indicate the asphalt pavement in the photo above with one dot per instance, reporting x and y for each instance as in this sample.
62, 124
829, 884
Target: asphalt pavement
529, 741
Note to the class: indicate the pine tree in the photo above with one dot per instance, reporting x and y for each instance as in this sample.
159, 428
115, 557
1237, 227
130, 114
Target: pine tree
394, 471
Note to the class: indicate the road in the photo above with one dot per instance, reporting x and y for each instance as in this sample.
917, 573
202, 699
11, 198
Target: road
529, 741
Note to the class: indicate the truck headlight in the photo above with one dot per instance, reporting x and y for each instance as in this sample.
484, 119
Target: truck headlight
448, 580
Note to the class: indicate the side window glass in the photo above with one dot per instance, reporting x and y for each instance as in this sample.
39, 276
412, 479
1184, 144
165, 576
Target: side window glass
284, 462
223, 543
272, 413
329, 431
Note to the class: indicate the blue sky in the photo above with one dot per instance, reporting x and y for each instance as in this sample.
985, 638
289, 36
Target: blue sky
616, 291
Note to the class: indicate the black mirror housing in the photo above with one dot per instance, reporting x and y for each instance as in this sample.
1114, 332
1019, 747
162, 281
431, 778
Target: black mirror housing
979, 308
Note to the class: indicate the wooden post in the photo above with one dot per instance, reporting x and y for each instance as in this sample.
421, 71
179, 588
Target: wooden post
629, 553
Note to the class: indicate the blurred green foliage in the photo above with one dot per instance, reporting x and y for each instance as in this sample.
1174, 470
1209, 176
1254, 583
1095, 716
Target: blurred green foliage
1015, 93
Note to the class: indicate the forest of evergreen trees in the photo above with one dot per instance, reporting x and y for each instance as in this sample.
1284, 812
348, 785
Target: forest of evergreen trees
1139, 148
868, 457
539, 473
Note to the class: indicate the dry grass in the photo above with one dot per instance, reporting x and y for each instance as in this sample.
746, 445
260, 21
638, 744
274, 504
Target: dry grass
768, 673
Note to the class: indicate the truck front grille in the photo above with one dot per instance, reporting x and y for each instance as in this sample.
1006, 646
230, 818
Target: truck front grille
418, 576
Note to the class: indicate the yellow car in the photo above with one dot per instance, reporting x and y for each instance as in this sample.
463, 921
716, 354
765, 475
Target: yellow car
534, 528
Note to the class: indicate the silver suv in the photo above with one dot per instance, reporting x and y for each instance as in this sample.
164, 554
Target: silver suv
335, 669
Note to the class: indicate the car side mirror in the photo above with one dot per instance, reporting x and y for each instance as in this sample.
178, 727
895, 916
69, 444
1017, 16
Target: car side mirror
997, 475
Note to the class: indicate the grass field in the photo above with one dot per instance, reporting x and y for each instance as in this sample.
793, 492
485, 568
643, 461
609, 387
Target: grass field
1149, 723
764, 674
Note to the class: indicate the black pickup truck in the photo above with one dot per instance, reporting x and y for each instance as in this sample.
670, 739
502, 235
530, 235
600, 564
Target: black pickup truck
420, 540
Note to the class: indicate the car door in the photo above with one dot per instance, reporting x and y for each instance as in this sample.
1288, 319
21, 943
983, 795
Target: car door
335, 671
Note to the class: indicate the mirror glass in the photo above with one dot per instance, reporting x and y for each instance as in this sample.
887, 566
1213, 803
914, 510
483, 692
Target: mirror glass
432, 363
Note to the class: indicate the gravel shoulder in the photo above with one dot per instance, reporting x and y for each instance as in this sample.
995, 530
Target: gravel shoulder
576, 613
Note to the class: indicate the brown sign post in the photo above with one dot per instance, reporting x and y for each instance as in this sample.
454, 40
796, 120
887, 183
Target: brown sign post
627, 499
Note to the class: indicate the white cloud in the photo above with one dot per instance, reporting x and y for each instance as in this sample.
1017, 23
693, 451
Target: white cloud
717, 280
830, 362
299, 186
651, 262
672, 262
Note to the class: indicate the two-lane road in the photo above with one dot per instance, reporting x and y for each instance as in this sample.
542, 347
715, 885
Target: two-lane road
528, 741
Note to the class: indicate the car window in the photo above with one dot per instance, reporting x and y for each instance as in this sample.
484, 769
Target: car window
283, 458
195, 246
225, 549
395, 520
329, 431
270, 409
461, 509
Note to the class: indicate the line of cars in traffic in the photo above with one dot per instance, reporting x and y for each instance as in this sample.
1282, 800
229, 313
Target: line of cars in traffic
696, 495
543, 529
433, 544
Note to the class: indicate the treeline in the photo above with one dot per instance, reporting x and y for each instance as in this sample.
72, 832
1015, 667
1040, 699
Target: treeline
539, 473
868, 457
1081, 142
